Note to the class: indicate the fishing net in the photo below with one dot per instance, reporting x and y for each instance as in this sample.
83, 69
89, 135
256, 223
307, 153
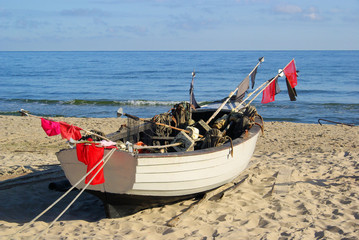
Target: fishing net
214, 138
242, 121
181, 113
164, 118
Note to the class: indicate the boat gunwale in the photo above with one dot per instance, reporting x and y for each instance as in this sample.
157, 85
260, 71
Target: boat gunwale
252, 132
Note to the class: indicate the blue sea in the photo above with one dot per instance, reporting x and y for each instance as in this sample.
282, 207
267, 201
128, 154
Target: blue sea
146, 83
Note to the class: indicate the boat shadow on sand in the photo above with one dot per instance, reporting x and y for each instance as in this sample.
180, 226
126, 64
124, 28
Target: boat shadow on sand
24, 198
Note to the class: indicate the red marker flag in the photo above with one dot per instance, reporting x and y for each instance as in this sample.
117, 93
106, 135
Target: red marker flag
270, 91
51, 128
291, 73
90, 155
70, 131
291, 79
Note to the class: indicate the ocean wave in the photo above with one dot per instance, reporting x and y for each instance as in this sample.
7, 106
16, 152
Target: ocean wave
10, 113
283, 119
341, 104
99, 102
17, 113
345, 106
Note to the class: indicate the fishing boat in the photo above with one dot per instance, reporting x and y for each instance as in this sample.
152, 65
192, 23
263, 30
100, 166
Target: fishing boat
183, 153
180, 154
177, 155
145, 178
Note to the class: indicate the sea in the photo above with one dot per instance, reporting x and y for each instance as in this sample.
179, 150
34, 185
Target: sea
147, 83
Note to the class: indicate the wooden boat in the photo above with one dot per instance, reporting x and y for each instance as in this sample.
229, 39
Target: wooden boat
150, 179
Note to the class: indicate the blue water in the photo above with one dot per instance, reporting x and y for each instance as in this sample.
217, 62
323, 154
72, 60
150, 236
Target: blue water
96, 84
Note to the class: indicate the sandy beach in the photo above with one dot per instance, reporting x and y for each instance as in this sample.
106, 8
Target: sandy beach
303, 183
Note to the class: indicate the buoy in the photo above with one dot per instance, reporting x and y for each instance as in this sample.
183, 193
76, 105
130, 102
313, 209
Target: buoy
193, 132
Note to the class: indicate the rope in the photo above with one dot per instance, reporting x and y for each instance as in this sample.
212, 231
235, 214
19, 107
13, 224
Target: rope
68, 191
26, 113
22, 111
230, 139
159, 146
261, 126
347, 124
78, 195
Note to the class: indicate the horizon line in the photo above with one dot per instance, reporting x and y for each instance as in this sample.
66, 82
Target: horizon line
179, 50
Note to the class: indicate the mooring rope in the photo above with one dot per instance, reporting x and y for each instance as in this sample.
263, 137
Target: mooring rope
77, 196
347, 124
107, 157
26, 113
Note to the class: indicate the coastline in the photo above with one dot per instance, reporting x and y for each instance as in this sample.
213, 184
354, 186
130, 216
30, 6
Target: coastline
303, 183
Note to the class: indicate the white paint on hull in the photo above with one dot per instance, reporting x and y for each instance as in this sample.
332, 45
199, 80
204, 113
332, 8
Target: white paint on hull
174, 174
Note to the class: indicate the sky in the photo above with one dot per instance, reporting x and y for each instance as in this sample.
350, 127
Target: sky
116, 25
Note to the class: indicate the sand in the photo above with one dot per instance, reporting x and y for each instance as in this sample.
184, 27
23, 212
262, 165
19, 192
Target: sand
303, 183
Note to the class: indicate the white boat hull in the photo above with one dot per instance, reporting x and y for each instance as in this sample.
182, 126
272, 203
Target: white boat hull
169, 174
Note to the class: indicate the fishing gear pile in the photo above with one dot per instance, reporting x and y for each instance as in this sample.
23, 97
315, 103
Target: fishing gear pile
179, 125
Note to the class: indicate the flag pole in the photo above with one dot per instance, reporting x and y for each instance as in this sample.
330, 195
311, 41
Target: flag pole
260, 60
249, 95
267, 83
191, 96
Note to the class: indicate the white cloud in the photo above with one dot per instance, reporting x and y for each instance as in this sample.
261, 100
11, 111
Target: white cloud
288, 9
294, 11
312, 14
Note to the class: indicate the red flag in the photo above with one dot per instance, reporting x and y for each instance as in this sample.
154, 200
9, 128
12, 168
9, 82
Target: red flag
291, 73
70, 131
50, 127
90, 154
270, 91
